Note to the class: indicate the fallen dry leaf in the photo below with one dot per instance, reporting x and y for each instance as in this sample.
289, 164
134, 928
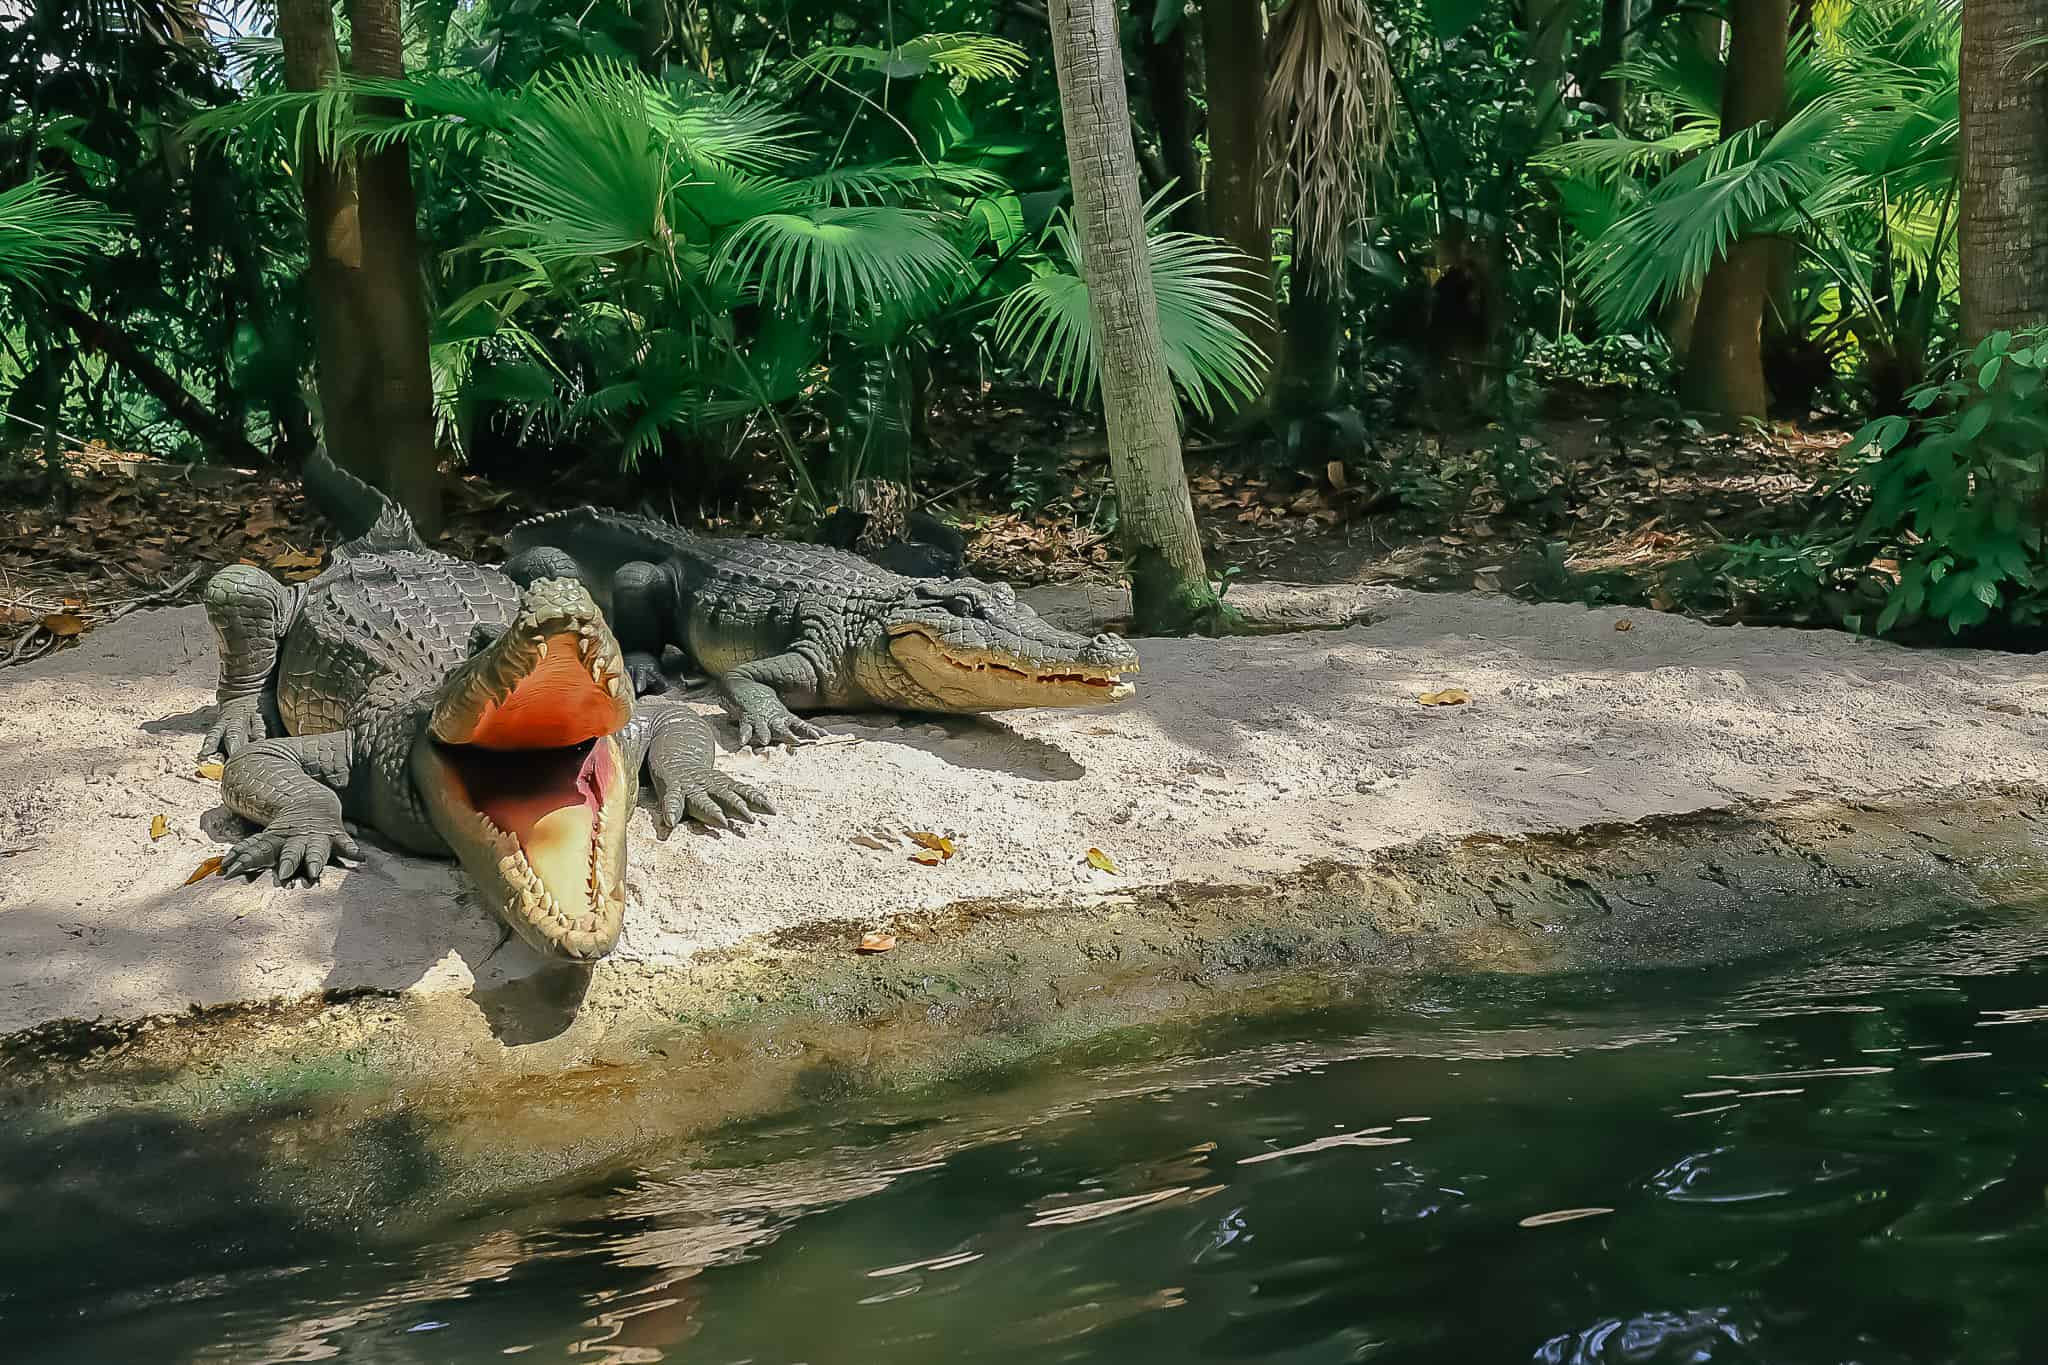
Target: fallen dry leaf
210, 771
63, 624
1100, 861
930, 857
294, 559
158, 828
876, 943
1624, 624
1336, 473
933, 843
204, 870
1450, 696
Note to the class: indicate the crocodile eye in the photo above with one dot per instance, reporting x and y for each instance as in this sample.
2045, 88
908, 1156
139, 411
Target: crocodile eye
962, 604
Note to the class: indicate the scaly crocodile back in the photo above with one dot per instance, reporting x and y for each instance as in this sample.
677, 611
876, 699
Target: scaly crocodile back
602, 542
381, 627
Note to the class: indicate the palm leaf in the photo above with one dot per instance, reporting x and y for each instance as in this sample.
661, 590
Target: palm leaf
852, 259
886, 182
1206, 309
45, 233
964, 56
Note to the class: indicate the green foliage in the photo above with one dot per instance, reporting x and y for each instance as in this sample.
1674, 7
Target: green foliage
46, 233
1205, 306
1959, 490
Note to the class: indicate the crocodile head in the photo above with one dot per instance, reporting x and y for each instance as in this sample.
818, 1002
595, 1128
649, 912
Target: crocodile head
964, 645
522, 772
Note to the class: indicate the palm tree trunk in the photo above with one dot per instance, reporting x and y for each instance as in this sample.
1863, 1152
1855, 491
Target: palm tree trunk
1724, 373
1548, 24
363, 266
1710, 34
1234, 70
1610, 91
2003, 234
1169, 583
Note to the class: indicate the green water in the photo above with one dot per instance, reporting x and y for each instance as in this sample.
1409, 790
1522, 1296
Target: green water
1843, 1160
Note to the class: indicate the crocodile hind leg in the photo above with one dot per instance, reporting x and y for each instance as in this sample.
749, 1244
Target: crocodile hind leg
643, 606
250, 612
292, 788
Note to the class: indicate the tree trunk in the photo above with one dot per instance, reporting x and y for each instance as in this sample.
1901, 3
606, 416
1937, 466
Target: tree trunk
1610, 91
1166, 86
1548, 24
1724, 372
1169, 583
223, 437
1234, 64
1710, 34
2003, 234
369, 305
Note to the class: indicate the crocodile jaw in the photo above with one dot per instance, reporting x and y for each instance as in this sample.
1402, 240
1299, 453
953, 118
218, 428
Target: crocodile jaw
968, 679
522, 776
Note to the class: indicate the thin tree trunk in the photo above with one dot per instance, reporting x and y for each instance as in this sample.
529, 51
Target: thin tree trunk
122, 350
1234, 64
1710, 34
1165, 62
2003, 234
1610, 91
1724, 372
1548, 24
369, 307
1169, 583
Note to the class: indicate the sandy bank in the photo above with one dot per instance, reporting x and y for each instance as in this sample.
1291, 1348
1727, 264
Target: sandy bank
1239, 762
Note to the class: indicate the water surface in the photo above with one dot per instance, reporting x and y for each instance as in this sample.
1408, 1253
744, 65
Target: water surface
1834, 1161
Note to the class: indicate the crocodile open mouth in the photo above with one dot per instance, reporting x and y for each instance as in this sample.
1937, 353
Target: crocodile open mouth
523, 777
546, 833
995, 679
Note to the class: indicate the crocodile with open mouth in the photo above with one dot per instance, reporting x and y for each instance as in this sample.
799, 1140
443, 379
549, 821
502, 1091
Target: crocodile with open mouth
780, 625
455, 712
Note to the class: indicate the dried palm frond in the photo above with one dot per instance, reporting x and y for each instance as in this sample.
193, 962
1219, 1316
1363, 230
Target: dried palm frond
1329, 120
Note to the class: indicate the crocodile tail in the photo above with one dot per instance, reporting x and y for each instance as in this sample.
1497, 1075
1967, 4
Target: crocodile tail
359, 511
600, 542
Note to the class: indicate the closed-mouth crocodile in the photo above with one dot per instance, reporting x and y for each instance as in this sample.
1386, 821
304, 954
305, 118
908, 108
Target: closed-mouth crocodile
780, 625
455, 712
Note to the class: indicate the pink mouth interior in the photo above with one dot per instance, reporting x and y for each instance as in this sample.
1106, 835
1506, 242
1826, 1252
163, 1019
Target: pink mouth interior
516, 789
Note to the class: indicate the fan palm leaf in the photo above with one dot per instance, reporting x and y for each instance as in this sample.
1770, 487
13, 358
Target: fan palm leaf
845, 260
1207, 309
963, 56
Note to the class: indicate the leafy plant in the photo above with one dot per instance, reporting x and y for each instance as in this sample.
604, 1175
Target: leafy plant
1959, 491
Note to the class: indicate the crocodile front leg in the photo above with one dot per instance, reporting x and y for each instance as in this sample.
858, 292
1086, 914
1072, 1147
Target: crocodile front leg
292, 788
679, 751
250, 612
755, 690
644, 602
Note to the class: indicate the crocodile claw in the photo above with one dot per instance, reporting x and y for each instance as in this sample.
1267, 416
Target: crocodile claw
715, 800
287, 854
239, 725
761, 732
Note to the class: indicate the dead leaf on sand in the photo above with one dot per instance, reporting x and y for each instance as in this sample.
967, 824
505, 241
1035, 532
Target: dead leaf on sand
1100, 861
204, 870
1450, 696
210, 771
933, 849
158, 828
876, 943
63, 624
1624, 624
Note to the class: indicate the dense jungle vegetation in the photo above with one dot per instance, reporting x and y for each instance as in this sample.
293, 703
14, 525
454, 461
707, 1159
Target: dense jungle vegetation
1369, 259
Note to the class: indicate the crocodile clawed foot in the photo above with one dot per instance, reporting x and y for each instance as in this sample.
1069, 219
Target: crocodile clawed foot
714, 800
239, 725
289, 853
763, 732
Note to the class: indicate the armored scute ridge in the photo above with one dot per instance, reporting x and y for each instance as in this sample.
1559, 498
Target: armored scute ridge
453, 711
780, 625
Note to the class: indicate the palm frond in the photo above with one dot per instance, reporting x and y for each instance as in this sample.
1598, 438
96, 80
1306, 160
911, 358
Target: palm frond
851, 259
1205, 303
1613, 156
729, 128
1328, 117
886, 182
45, 233
963, 56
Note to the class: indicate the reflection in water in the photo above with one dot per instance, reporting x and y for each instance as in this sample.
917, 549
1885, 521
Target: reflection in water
1838, 1162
